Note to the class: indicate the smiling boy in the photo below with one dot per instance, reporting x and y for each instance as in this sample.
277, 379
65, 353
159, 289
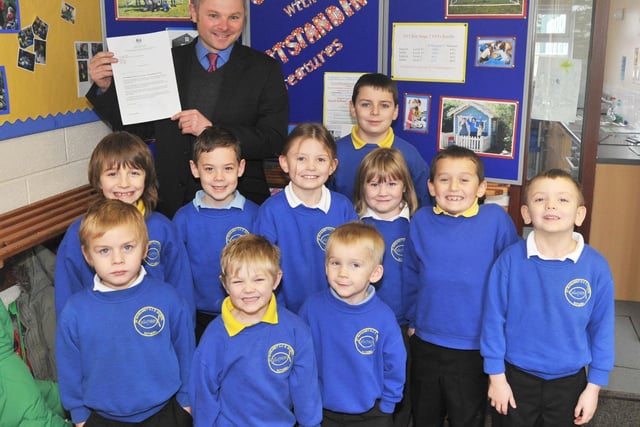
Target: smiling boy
449, 252
554, 370
374, 106
217, 215
255, 364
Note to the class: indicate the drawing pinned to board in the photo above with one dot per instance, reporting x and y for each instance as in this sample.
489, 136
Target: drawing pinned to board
68, 12
495, 52
486, 126
152, 10
485, 8
9, 16
4, 93
416, 112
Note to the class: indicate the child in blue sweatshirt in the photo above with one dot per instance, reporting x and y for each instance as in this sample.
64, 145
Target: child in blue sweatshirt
121, 167
255, 364
548, 324
217, 215
374, 106
300, 218
125, 342
385, 198
450, 250
358, 343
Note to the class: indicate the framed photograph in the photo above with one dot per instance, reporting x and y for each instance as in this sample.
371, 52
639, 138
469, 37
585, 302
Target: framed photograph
495, 52
4, 93
485, 8
486, 126
10, 17
416, 112
152, 10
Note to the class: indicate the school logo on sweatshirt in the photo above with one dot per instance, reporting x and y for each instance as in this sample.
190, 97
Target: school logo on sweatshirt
366, 341
153, 253
323, 236
397, 249
235, 232
578, 292
149, 321
280, 358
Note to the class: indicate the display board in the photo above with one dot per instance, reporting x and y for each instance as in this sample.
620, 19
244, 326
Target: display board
311, 38
44, 49
477, 101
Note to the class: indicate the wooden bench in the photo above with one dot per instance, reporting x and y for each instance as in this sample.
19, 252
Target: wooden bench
31, 225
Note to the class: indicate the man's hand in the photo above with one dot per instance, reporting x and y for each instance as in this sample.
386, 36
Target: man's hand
500, 394
191, 122
100, 70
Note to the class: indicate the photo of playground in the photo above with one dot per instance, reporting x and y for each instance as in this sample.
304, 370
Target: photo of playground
160, 10
484, 126
482, 8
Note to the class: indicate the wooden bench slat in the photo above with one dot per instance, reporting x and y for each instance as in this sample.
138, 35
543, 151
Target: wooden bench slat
28, 226
42, 207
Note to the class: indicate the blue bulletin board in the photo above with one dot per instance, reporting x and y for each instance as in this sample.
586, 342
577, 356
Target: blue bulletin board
491, 95
310, 38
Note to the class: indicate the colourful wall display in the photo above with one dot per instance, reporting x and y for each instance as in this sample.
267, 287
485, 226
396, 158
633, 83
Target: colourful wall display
41, 68
311, 38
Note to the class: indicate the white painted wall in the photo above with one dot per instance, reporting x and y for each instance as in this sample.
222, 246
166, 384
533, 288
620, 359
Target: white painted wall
622, 39
37, 166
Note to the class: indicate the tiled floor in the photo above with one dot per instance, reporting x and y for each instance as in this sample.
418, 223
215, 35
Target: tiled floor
626, 373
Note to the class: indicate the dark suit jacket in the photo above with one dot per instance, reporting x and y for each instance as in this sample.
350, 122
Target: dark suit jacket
253, 104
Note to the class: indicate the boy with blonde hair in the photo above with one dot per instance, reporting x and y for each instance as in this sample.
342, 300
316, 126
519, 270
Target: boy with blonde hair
255, 364
124, 345
359, 348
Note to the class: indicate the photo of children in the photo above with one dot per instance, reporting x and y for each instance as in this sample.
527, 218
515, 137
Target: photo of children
8, 17
4, 97
40, 28
481, 8
491, 52
152, 10
416, 109
484, 126
40, 48
26, 60
25, 37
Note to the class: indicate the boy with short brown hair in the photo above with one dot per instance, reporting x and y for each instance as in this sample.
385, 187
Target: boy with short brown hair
549, 347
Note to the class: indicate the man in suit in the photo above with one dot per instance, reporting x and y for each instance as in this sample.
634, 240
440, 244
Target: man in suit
239, 89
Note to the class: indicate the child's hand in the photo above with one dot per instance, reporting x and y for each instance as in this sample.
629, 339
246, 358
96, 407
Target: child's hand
191, 122
187, 409
411, 331
500, 394
587, 403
